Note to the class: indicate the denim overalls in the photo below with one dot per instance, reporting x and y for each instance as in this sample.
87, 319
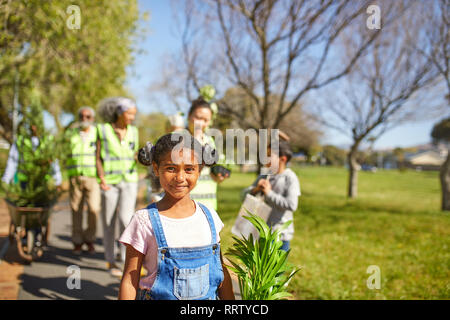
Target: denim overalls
185, 273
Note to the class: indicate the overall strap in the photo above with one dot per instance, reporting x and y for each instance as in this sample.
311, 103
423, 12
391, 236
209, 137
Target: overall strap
211, 222
157, 226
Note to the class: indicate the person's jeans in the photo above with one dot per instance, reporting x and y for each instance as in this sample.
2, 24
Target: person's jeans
117, 202
286, 245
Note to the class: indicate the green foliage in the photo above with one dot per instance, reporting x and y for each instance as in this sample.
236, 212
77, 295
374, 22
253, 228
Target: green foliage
3, 159
71, 67
262, 269
151, 126
334, 155
39, 189
207, 92
441, 131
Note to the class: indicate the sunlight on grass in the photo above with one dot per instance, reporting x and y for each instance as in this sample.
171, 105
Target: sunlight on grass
395, 223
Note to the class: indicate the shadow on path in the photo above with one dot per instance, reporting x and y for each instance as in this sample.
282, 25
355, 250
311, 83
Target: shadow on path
56, 288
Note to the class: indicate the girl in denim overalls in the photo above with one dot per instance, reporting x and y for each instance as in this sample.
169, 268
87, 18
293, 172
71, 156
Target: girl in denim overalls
176, 238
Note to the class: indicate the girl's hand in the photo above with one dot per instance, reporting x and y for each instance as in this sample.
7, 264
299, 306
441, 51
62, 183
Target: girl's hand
226, 287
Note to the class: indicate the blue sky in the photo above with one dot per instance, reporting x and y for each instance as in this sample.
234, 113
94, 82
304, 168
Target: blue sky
161, 41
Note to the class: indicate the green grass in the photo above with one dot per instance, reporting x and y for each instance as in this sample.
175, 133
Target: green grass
395, 223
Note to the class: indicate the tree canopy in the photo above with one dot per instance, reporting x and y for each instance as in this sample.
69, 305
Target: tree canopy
441, 131
73, 52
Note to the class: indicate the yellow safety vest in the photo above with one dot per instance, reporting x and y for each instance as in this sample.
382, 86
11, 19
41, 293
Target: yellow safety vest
82, 159
118, 156
205, 191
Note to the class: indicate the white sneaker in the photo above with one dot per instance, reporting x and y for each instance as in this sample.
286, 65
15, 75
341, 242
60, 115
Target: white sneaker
114, 270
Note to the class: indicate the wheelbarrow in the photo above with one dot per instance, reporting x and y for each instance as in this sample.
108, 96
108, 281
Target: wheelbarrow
29, 230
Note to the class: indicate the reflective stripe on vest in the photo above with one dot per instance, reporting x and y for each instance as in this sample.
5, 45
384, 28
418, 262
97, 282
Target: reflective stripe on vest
118, 156
82, 158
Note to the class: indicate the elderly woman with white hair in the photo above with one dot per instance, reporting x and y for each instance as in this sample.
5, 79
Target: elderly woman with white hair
117, 146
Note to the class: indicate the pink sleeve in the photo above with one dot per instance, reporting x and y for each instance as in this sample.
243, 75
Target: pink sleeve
136, 234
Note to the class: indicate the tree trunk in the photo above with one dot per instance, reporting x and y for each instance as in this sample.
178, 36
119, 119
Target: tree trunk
445, 183
353, 173
58, 124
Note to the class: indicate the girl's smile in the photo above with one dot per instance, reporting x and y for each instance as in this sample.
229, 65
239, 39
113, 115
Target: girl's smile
178, 178
177, 189
180, 187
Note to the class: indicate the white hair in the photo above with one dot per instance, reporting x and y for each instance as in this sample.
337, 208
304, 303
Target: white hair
110, 108
86, 108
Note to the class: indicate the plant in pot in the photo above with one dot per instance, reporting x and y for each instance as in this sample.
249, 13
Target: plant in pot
260, 265
32, 192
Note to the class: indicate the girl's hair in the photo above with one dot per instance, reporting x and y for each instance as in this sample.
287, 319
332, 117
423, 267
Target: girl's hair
149, 153
199, 103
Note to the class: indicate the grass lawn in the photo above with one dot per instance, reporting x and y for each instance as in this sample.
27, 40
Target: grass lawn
395, 224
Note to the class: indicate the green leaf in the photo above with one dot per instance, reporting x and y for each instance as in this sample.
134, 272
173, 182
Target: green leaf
263, 272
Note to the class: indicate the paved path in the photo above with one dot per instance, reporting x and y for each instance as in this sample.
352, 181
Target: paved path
47, 278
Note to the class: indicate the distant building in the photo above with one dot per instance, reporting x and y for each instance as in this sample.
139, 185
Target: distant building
426, 160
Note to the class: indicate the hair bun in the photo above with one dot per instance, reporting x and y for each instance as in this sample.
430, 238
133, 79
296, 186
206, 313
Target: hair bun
145, 154
210, 155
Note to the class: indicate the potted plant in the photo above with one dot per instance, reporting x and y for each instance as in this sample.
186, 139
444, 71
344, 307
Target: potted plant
32, 193
260, 265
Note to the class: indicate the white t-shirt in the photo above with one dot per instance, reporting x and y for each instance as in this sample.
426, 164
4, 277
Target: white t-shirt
193, 231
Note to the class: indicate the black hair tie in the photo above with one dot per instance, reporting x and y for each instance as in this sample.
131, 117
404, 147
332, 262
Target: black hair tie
210, 155
145, 154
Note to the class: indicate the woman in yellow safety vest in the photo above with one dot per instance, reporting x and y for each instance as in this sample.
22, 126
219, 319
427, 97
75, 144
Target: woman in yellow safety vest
199, 119
117, 146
